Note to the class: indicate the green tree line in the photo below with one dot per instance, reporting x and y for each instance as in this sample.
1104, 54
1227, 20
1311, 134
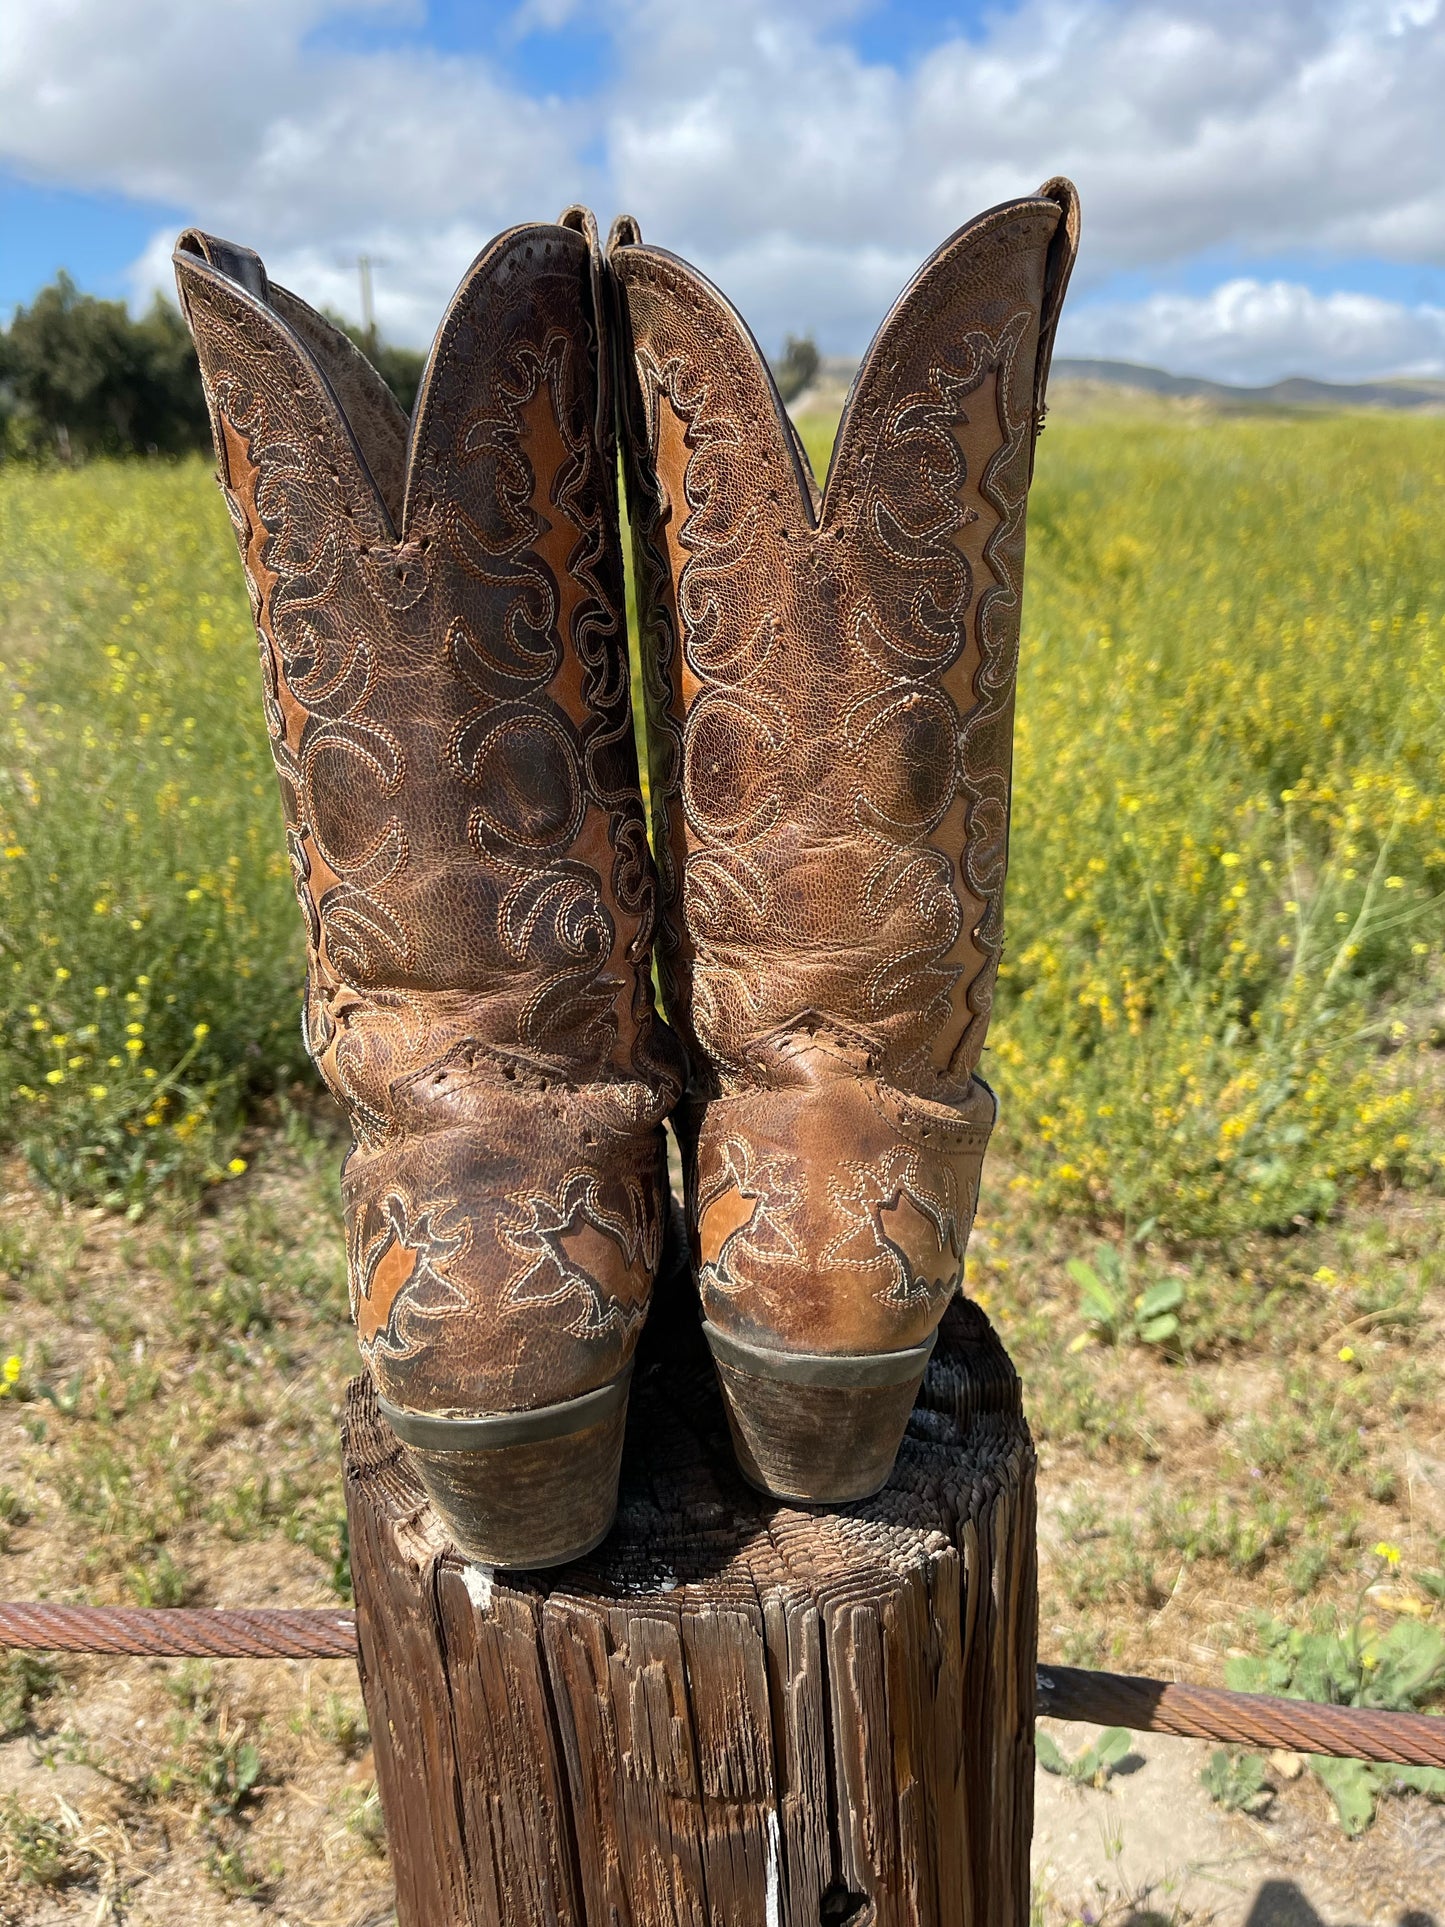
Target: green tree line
81, 377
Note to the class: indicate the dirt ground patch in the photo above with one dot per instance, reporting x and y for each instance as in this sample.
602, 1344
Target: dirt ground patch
171, 1438
1152, 1847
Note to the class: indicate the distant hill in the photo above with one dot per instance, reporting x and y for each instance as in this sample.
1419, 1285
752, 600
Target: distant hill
1296, 392
827, 392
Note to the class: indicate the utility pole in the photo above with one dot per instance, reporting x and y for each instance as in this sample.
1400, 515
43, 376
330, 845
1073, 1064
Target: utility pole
368, 310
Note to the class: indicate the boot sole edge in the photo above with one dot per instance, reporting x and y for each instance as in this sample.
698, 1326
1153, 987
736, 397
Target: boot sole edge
522, 1490
810, 1428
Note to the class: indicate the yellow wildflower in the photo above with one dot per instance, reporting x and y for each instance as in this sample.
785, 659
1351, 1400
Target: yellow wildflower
1390, 1554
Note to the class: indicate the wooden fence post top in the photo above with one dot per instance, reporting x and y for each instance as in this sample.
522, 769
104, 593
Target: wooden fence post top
735, 1711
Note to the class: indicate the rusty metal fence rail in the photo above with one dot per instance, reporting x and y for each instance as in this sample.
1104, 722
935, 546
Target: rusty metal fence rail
1241, 1719
1065, 1692
179, 1632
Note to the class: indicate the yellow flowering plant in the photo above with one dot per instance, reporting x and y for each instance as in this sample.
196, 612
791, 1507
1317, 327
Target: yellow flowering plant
1226, 891
1227, 864
155, 996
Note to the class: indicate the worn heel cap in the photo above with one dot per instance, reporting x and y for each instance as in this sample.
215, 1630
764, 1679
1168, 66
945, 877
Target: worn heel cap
814, 1429
524, 1490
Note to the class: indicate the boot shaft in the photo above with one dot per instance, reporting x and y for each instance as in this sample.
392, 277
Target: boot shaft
440, 612
830, 672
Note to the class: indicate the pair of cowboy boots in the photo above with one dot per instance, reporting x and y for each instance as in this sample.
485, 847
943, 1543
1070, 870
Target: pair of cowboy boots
829, 678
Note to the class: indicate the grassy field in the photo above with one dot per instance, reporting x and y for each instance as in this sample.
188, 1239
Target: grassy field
147, 927
1213, 1231
1228, 845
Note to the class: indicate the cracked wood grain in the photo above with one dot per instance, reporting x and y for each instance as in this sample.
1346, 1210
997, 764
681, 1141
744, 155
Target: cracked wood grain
734, 1713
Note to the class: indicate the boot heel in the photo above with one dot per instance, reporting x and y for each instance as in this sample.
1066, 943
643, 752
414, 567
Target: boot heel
525, 1489
811, 1428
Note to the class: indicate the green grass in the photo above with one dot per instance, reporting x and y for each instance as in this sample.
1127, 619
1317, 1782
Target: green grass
1216, 614
149, 944
1228, 846
1228, 850
1355, 1664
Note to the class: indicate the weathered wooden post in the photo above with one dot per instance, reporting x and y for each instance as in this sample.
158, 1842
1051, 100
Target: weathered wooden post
735, 1713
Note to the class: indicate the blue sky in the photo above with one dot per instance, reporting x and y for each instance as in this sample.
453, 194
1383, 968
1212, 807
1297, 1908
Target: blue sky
1263, 183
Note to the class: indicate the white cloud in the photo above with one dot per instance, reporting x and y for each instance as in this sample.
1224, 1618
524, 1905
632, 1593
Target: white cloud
1188, 124
548, 15
753, 138
1260, 331
222, 109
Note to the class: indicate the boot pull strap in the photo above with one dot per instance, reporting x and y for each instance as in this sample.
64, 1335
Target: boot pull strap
241, 265
581, 220
625, 233
1058, 266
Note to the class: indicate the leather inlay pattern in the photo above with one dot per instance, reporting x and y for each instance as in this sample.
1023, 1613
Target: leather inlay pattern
445, 681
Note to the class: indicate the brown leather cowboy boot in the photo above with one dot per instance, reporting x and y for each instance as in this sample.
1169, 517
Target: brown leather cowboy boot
830, 683
445, 666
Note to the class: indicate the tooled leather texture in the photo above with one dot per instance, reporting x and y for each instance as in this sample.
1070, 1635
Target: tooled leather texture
443, 649
830, 680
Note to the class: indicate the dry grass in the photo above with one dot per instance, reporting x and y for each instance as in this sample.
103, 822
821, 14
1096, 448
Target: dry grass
175, 1439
